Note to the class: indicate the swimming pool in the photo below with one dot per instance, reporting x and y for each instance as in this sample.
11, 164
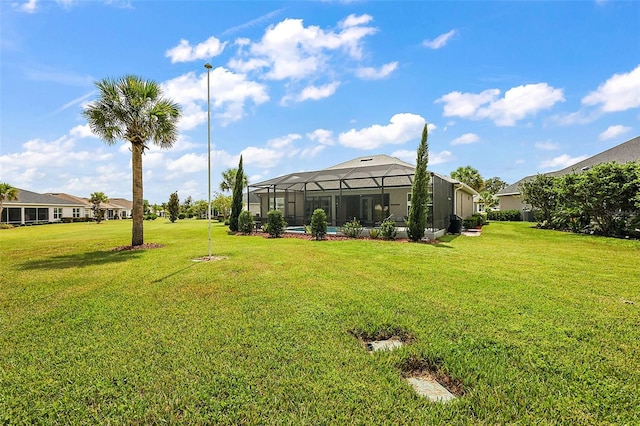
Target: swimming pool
300, 229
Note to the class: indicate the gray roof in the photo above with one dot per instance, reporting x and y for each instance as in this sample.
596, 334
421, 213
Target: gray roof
624, 153
372, 171
28, 197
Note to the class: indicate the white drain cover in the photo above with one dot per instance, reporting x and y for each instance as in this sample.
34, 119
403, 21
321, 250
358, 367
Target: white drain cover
383, 345
431, 389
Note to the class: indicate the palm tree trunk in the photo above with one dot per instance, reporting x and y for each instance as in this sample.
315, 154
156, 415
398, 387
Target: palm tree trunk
137, 233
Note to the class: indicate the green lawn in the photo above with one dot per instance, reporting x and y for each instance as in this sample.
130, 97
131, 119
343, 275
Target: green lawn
539, 327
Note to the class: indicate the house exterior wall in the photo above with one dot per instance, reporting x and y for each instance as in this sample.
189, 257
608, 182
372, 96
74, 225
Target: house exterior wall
511, 202
464, 204
33, 213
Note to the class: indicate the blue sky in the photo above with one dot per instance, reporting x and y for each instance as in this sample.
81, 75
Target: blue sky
510, 88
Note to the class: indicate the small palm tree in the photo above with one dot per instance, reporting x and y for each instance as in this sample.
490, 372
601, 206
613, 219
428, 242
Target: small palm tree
229, 180
7, 193
134, 110
97, 199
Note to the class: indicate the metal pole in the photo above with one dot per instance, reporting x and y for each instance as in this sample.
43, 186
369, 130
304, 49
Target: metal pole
208, 67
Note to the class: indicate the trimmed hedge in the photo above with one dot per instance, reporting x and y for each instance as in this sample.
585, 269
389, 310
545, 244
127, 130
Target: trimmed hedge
504, 215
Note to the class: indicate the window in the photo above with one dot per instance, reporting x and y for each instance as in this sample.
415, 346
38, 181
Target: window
280, 204
57, 212
408, 202
76, 212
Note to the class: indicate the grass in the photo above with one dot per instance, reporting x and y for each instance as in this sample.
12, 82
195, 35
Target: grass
540, 327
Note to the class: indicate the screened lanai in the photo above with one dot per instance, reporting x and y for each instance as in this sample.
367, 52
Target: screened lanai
370, 189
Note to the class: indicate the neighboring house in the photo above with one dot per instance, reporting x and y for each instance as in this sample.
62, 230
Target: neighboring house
510, 197
370, 189
251, 202
125, 207
31, 207
112, 209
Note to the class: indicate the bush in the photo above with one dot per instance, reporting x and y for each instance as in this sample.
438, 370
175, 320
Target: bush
245, 222
182, 216
504, 215
474, 221
150, 216
318, 224
275, 223
352, 229
374, 233
388, 230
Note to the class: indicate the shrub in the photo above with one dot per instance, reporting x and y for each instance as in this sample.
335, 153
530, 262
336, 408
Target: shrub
474, 221
318, 224
150, 216
275, 223
245, 222
182, 216
352, 229
388, 230
504, 215
374, 233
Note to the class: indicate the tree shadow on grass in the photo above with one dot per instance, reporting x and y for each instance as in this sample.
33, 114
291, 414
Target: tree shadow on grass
80, 260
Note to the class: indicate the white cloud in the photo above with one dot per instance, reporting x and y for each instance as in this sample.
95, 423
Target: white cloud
316, 93
370, 73
322, 136
613, 132
188, 163
261, 157
467, 138
435, 158
31, 6
284, 141
289, 50
82, 131
401, 128
311, 152
439, 41
230, 93
517, 103
619, 93
546, 146
184, 52
561, 162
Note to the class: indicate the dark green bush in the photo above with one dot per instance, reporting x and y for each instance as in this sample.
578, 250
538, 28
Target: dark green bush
474, 221
318, 224
504, 215
245, 222
388, 230
352, 229
275, 223
150, 216
182, 216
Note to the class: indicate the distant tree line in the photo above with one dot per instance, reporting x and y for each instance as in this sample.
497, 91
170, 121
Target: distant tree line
603, 200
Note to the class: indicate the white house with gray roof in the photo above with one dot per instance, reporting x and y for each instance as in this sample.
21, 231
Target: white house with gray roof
31, 208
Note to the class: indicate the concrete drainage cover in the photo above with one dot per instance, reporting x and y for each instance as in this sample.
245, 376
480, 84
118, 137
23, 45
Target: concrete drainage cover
428, 387
383, 345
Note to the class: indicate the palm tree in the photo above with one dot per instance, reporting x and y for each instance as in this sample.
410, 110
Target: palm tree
134, 110
98, 199
229, 180
7, 193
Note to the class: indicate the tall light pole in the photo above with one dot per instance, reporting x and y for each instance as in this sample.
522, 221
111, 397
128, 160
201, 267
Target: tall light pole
208, 67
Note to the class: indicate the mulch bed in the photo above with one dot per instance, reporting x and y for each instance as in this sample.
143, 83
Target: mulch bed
301, 236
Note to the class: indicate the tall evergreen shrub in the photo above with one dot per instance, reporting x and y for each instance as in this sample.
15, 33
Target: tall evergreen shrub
236, 204
419, 191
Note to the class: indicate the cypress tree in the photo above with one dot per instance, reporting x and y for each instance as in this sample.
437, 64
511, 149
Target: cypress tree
419, 191
236, 204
